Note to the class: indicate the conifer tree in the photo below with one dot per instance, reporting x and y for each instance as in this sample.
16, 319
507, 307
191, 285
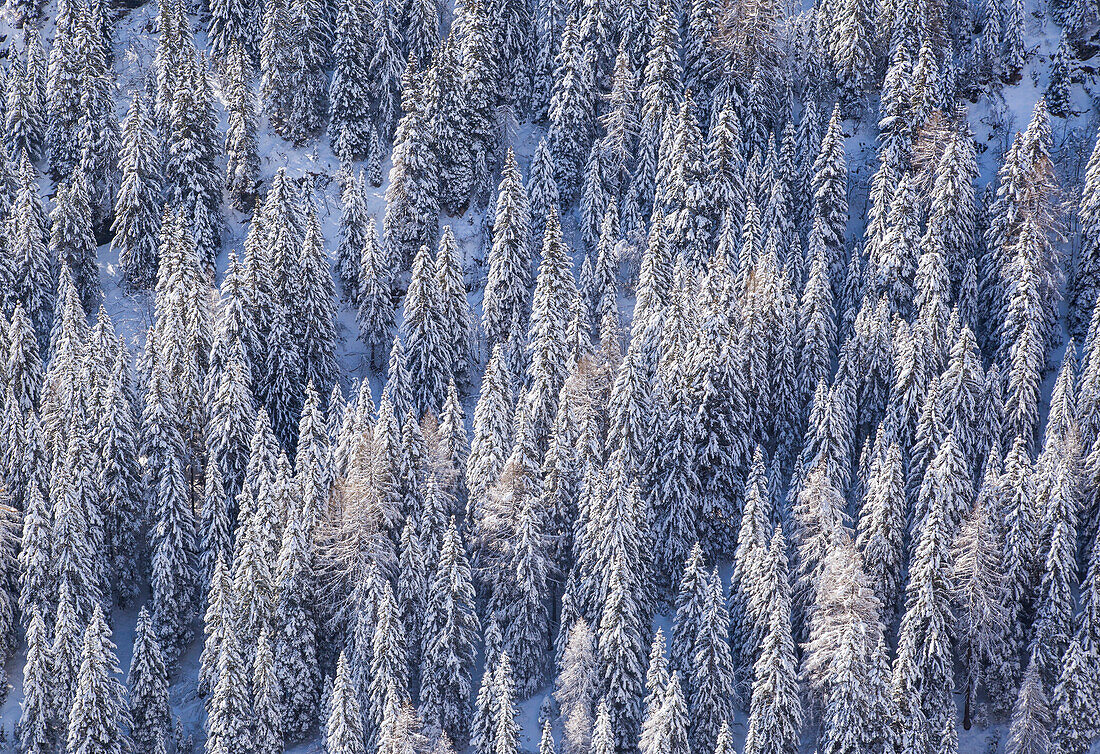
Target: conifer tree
691, 601
37, 587
713, 692
294, 624
24, 116
542, 189
354, 234
136, 223
243, 163
412, 197
420, 31
119, 479
344, 726
622, 652
927, 620
266, 723
229, 714
216, 622
454, 307
316, 328
99, 716
449, 655
173, 535
232, 23
389, 662
190, 169
1059, 86
64, 86
1086, 278
72, 243
656, 684
848, 718
232, 419
33, 729
1029, 732
571, 114
554, 293
1058, 548
830, 194
79, 560
349, 98
385, 69
506, 290
576, 688
527, 618
30, 255
147, 681
683, 193
491, 431
775, 713
423, 332
376, 310
979, 596
1073, 702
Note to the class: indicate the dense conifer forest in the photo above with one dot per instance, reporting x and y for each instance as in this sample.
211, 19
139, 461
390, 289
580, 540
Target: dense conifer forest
556, 376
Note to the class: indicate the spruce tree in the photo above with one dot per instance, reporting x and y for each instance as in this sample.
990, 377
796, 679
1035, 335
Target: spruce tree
266, 705
412, 197
34, 727
1058, 547
375, 313
353, 234
979, 596
830, 194
572, 110
542, 189
119, 479
216, 622
622, 653
349, 98
30, 254
423, 332
173, 534
506, 296
147, 681
448, 657
492, 431
927, 620
713, 693
37, 585
243, 164
72, 242
229, 713
294, 625
190, 170
232, 23
1073, 702
24, 116
455, 308
316, 328
385, 69
344, 726
1086, 278
137, 210
98, 719
1059, 86
527, 618
775, 712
